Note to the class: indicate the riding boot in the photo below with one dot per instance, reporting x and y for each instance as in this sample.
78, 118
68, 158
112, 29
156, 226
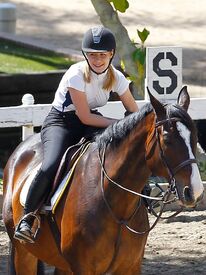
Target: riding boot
154, 191
37, 192
23, 231
146, 191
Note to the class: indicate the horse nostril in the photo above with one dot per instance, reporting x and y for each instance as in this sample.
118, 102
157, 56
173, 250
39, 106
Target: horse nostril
187, 194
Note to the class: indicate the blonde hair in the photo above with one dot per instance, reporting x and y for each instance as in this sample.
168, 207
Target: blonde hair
109, 79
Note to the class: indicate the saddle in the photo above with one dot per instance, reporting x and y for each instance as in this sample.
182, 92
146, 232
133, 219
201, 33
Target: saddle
68, 160
63, 176
61, 181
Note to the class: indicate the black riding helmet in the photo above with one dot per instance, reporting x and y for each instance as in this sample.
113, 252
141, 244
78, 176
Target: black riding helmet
98, 39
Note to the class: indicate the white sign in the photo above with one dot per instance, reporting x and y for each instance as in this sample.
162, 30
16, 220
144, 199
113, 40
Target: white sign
164, 72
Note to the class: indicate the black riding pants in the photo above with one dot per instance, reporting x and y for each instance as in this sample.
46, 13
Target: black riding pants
59, 131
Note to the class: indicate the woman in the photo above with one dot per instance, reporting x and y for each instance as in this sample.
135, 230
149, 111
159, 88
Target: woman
85, 86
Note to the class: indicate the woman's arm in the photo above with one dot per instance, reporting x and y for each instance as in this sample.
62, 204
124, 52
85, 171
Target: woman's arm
129, 102
83, 112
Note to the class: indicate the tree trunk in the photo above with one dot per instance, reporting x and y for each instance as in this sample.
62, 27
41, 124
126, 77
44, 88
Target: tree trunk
125, 48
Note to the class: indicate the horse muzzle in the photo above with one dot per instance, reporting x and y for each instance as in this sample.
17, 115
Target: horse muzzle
188, 199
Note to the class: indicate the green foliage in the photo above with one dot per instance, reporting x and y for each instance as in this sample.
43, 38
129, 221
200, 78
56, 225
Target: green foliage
15, 58
139, 57
120, 5
143, 35
202, 168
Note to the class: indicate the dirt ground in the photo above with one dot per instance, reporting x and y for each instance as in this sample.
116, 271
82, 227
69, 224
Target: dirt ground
175, 246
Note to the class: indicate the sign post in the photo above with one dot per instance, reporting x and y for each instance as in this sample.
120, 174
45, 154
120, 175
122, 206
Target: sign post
163, 72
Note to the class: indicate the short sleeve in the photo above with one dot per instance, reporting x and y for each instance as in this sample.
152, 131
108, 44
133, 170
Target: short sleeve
121, 84
74, 79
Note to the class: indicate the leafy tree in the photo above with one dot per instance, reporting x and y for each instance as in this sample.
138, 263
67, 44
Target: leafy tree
132, 54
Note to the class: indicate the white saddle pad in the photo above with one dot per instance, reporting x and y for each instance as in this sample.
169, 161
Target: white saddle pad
55, 196
27, 184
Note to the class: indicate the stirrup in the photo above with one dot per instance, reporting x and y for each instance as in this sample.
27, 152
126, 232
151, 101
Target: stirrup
24, 237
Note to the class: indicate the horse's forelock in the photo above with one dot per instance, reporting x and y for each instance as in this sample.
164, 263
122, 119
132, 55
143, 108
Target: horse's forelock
174, 110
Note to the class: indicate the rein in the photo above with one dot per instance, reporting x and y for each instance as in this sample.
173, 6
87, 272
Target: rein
165, 198
172, 189
121, 223
125, 222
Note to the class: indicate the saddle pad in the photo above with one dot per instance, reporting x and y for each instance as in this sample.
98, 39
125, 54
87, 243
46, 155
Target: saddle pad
27, 184
62, 187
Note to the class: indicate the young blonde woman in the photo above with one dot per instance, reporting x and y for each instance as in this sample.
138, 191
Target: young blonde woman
85, 86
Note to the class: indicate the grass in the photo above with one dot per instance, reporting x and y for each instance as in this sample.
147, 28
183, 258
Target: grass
15, 58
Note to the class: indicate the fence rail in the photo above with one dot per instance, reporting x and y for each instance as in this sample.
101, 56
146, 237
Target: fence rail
29, 115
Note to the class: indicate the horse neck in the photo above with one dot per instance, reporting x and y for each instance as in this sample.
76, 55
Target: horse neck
127, 165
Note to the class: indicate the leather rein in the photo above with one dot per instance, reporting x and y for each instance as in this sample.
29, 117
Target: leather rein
172, 189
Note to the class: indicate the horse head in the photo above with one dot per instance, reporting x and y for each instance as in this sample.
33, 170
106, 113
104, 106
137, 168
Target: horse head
171, 149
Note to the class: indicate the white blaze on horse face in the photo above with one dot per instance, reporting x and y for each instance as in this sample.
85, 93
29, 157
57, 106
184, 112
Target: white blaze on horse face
196, 182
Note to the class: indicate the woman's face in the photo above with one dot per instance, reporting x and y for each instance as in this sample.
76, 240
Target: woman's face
99, 61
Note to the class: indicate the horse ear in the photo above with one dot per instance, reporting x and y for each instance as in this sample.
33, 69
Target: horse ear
184, 98
157, 106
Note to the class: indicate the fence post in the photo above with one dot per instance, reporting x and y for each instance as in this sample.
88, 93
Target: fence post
7, 17
27, 130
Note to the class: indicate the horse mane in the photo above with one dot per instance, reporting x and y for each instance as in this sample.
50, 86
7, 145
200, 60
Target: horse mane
117, 132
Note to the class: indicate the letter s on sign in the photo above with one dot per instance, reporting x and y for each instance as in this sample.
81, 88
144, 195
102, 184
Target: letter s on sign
165, 73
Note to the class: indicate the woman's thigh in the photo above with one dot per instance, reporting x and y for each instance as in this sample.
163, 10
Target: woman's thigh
55, 140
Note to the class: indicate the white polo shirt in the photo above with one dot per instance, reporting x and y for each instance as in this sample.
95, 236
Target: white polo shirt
96, 95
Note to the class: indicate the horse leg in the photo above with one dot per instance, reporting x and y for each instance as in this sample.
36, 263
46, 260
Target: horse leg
11, 266
24, 262
133, 271
61, 272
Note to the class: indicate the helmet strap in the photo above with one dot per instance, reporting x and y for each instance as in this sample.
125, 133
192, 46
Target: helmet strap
91, 67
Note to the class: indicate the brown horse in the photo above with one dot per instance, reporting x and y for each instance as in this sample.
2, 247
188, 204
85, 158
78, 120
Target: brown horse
101, 219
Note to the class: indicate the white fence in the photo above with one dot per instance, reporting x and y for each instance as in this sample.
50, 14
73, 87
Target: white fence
29, 115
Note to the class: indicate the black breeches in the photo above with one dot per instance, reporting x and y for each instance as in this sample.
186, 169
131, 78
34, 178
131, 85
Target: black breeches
59, 131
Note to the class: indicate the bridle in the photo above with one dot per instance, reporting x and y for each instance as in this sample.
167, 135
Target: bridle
171, 171
172, 189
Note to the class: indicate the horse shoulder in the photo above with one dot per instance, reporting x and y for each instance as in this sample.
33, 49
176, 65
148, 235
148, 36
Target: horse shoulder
81, 198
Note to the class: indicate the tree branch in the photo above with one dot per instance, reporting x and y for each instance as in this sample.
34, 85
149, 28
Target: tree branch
110, 19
